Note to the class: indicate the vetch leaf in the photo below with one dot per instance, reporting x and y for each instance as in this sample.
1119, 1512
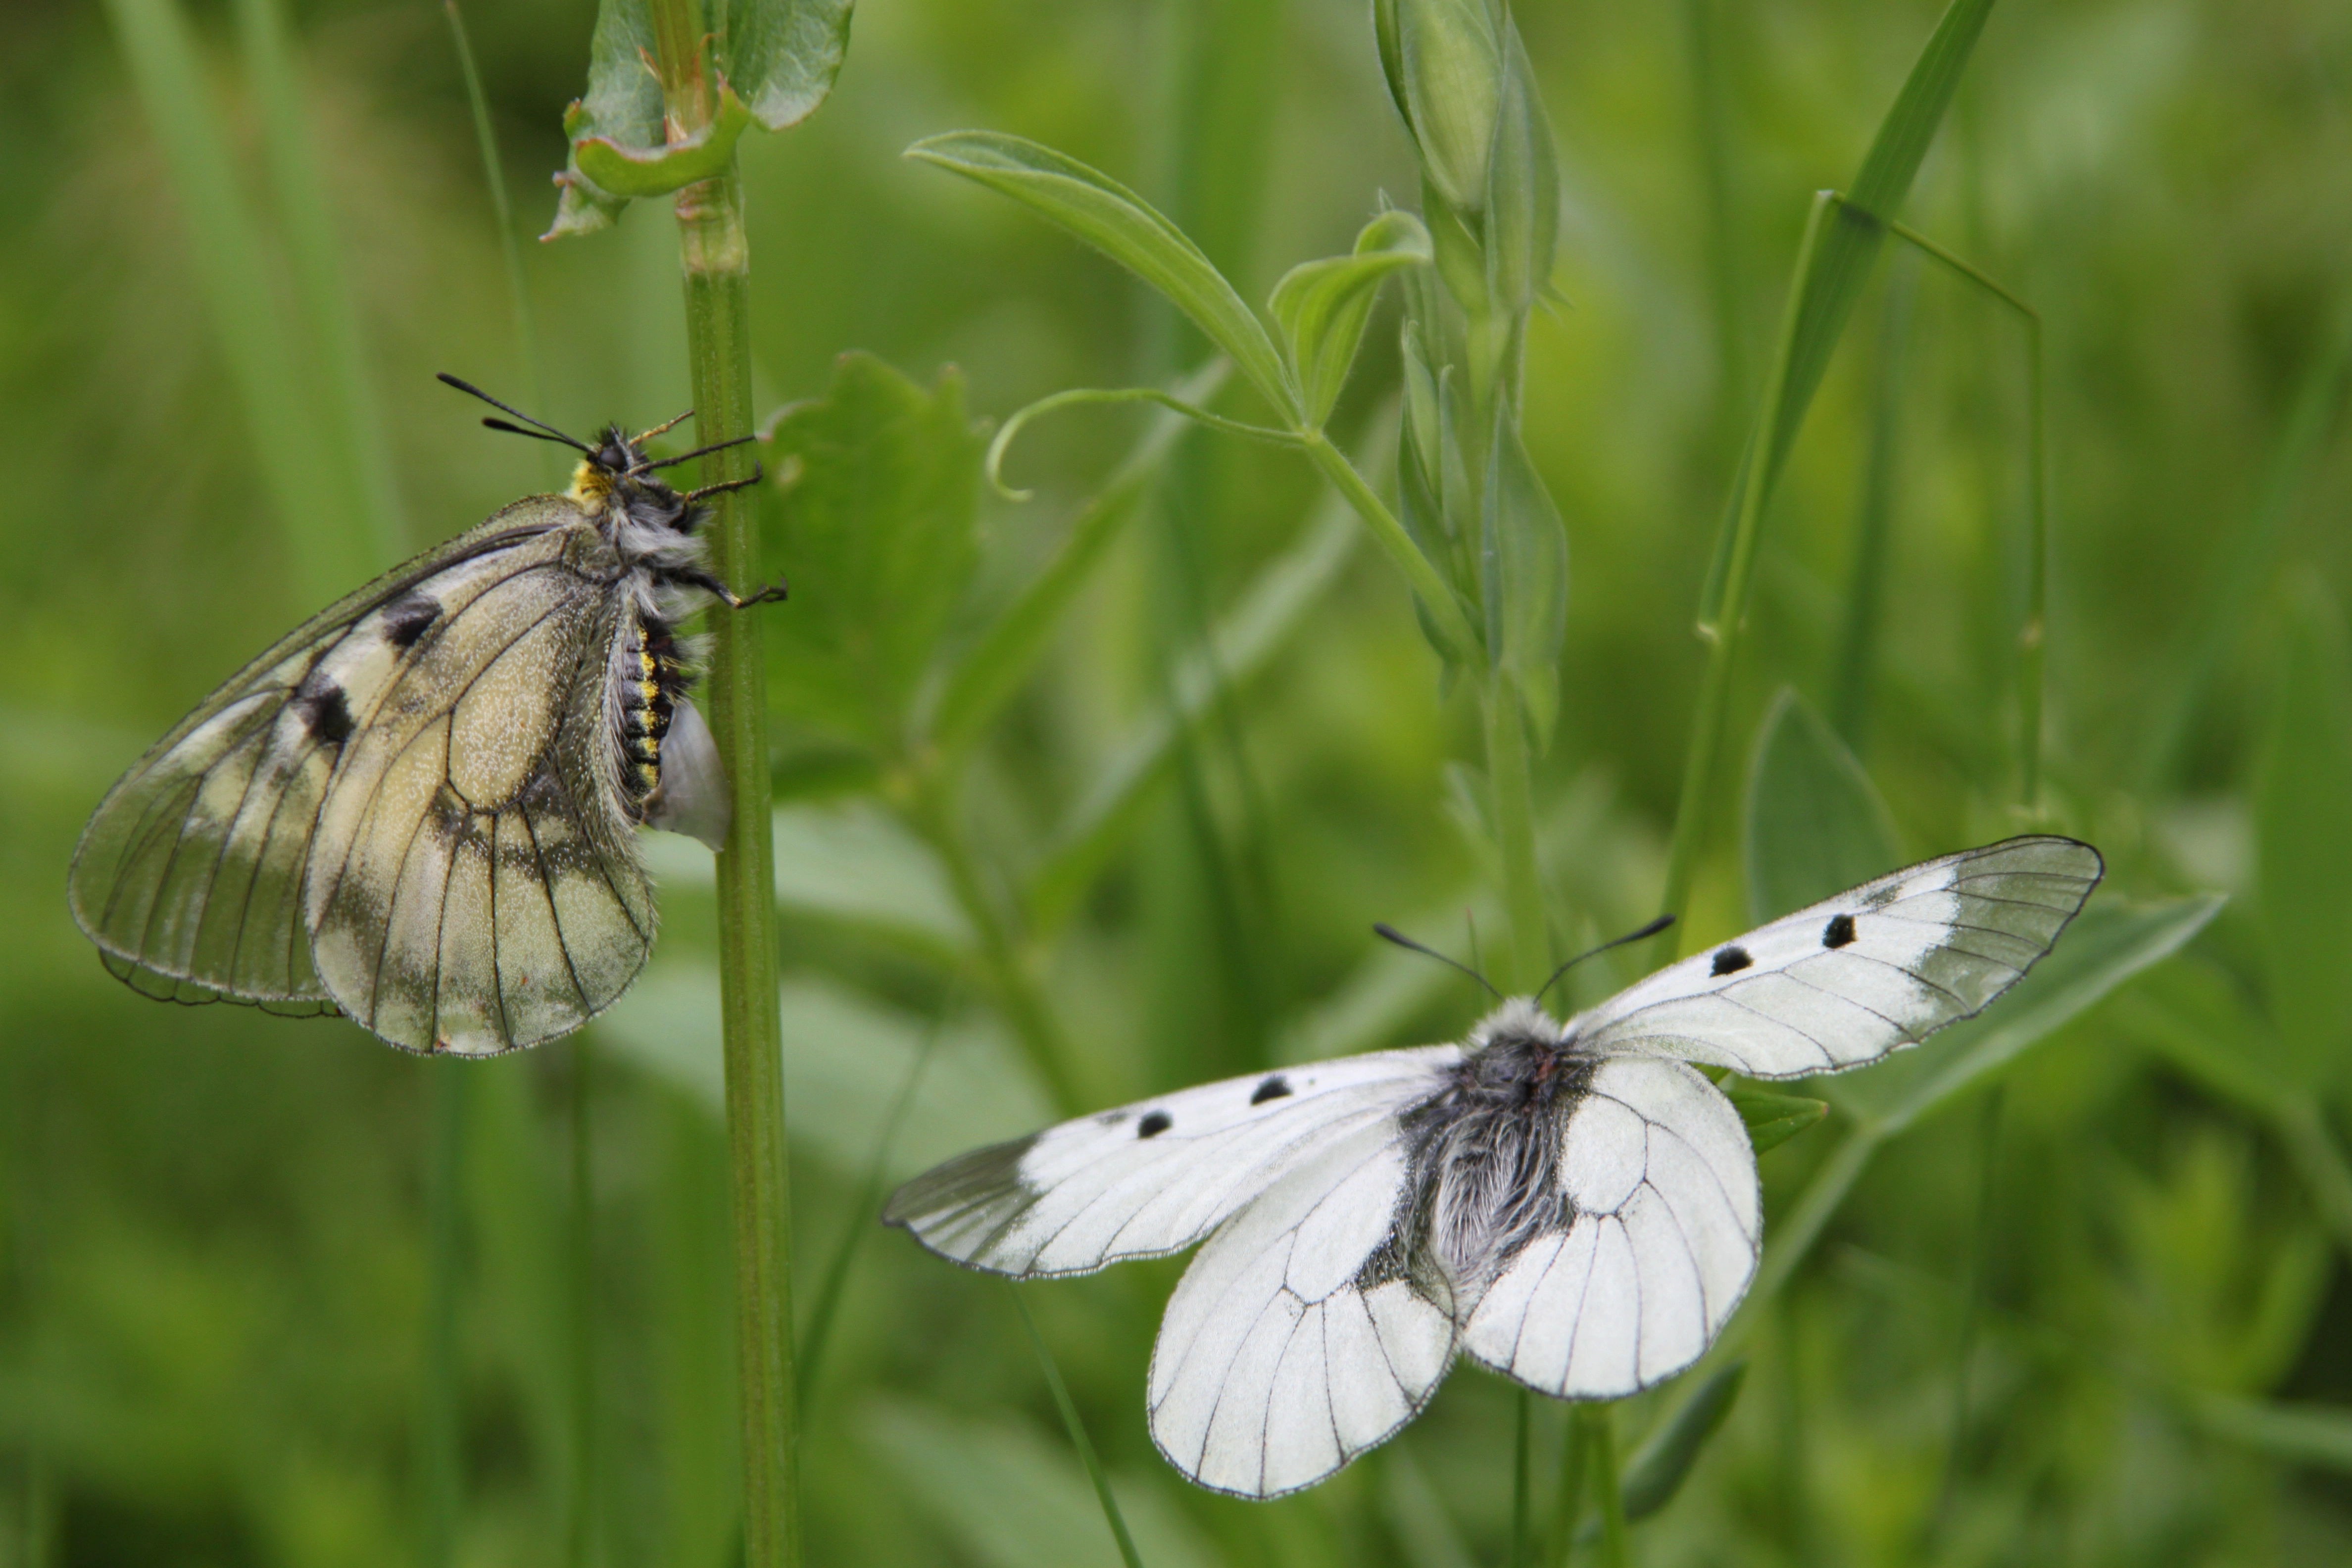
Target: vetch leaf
1322, 306
1443, 61
872, 499
622, 107
1524, 561
2304, 813
1522, 187
622, 170
1130, 231
1815, 824
782, 56
1773, 1119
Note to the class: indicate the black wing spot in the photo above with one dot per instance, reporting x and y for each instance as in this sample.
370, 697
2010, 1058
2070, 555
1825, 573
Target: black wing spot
406, 618
1731, 960
325, 711
1273, 1088
1839, 932
1154, 1125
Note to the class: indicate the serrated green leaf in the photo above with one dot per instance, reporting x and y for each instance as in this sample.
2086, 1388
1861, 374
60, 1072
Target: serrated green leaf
1657, 1471
1522, 228
1815, 823
1098, 209
1524, 549
1773, 1119
2304, 815
628, 171
870, 508
1322, 306
782, 56
623, 106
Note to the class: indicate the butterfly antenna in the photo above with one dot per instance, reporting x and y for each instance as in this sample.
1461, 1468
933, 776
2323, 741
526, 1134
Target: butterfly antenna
684, 457
1390, 933
1653, 929
539, 430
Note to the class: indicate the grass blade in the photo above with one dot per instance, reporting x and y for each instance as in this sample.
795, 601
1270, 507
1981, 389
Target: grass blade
1815, 823
1077, 1429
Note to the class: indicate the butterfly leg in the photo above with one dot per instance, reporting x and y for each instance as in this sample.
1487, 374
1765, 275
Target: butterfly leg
696, 577
756, 474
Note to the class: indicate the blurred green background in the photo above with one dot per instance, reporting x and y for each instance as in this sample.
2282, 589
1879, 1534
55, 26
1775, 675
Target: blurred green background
2097, 1311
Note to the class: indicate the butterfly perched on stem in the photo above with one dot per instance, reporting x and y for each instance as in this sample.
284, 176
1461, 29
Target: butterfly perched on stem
1574, 1206
420, 807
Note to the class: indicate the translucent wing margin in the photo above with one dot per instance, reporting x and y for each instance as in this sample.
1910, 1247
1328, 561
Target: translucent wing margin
1299, 1337
1658, 1236
1867, 972
188, 877
1155, 1177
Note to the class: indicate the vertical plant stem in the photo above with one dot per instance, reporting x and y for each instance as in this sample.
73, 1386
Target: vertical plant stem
1567, 1507
1077, 1429
1719, 621
2032, 658
1520, 1548
1855, 674
581, 1532
715, 254
441, 1405
1710, 97
1599, 1423
1507, 770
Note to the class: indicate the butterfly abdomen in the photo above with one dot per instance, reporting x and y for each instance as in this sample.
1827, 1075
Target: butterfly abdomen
649, 675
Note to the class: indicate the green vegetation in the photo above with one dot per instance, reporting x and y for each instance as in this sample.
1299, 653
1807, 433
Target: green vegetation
1096, 793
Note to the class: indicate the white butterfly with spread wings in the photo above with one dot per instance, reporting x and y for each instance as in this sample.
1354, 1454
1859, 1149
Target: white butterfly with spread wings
419, 807
1573, 1205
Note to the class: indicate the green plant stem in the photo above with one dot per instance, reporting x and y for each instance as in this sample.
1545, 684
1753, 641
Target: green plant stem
1077, 1430
1719, 622
1568, 1506
1519, 1558
1445, 609
1507, 771
715, 254
1598, 1422
440, 1474
580, 1533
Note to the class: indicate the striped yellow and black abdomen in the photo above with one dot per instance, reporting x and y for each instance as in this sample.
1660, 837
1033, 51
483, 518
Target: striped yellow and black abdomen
652, 675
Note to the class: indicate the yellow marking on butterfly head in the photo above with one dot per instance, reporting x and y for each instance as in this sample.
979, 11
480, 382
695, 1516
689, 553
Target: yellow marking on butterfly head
590, 484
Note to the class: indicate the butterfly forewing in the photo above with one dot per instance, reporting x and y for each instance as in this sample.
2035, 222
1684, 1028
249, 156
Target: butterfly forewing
189, 875
1287, 1348
1856, 976
1155, 1177
1656, 1240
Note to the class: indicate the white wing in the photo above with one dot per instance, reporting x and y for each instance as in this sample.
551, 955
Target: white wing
1660, 1223
1155, 1177
1856, 976
1300, 1337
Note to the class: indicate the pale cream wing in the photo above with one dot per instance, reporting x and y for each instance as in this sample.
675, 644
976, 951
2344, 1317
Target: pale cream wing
475, 886
189, 875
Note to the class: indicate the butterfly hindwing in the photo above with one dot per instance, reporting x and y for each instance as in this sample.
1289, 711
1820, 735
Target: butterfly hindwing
474, 887
1155, 1177
1660, 1222
1302, 1334
189, 875
1856, 976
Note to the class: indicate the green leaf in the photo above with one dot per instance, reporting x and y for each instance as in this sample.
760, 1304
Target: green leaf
1773, 1119
1525, 577
1522, 187
1815, 824
782, 56
623, 171
623, 106
1322, 306
2319, 1435
1098, 209
1005, 654
1442, 60
2107, 945
2304, 813
1658, 1470
871, 507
